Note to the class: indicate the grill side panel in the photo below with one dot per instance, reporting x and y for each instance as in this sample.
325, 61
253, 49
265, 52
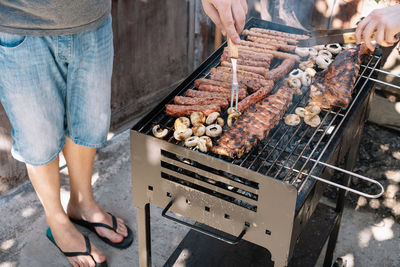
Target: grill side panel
211, 191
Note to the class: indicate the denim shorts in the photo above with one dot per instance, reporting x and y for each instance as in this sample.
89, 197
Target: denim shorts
54, 87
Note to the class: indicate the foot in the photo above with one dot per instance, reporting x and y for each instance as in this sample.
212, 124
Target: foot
92, 212
69, 239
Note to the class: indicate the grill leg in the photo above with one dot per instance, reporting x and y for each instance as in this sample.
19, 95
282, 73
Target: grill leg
144, 238
351, 158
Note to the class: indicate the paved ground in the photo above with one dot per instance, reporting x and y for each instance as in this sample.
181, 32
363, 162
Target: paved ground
366, 238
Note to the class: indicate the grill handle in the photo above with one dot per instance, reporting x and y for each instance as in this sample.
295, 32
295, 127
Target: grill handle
201, 230
345, 187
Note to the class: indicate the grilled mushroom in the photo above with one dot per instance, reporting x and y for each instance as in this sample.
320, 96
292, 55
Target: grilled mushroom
294, 82
323, 62
334, 48
295, 74
158, 132
325, 53
312, 51
181, 124
310, 71
313, 109
197, 118
319, 47
233, 117
292, 119
305, 79
183, 134
312, 120
300, 111
212, 118
199, 130
213, 130
302, 51
207, 140
192, 141
220, 121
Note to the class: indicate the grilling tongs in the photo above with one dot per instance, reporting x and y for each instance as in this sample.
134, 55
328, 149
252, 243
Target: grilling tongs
319, 37
233, 53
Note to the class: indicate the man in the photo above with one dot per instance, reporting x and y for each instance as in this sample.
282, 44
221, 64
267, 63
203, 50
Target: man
384, 22
56, 63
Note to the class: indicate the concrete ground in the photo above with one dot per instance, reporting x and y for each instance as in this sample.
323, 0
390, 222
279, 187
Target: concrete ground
365, 239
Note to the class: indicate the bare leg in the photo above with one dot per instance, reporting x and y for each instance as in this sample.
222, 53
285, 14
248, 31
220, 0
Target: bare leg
46, 181
82, 204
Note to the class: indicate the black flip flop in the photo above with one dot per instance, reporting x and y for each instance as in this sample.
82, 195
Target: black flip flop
74, 254
126, 242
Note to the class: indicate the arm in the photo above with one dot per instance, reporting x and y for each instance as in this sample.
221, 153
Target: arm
229, 15
385, 22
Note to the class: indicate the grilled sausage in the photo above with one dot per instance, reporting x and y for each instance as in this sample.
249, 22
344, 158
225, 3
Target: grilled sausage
254, 98
181, 111
281, 34
204, 81
279, 44
205, 94
242, 72
269, 36
246, 62
219, 89
191, 101
258, 70
281, 70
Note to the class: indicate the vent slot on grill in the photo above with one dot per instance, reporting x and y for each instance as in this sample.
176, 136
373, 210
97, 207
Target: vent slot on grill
208, 191
198, 165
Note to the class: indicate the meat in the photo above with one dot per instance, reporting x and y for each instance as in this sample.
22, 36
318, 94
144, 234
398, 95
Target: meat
258, 70
289, 40
195, 93
279, 44
180, 110
257, 45
242, 72
246, 62
250, 55
281, 70
218, 89
249, 82
191, 101
281, 34
254, 98
334, 86
204, 81
255, 124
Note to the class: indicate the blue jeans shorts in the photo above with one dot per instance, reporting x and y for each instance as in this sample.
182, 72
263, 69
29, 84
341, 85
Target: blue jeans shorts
54, 87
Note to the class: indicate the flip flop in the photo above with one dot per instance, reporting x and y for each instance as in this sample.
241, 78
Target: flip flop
74, 254
126, 242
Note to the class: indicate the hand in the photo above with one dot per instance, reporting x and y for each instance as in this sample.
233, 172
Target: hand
385, 23
229, 15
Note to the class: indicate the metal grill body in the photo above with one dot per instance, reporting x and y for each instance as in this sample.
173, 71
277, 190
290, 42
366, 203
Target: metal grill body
268, 195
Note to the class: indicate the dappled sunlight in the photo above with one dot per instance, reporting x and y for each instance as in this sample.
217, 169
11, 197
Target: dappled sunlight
64, 195
7, 244
396, 155
28, 212
397, 107
383, 230
393, 175
364, 237
110, 135
8, 264
95, 177
348, 259
183, 257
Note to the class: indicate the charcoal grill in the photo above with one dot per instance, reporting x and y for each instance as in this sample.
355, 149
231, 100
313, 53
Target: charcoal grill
268, 195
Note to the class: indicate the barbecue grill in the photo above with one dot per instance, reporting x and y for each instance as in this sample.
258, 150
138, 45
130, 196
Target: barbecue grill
267, 196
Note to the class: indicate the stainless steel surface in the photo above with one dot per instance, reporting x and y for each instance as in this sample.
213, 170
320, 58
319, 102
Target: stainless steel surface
235, 85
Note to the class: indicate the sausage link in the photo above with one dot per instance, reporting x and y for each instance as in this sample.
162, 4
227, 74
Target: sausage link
219, 89
281, 70
180, 110
192, 101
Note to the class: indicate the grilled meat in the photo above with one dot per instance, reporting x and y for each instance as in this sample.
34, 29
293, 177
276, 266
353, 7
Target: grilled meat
258, 70
191, 101
195, 93
334, 86
219, 89
255, 124
279, 44
254, 98
181, 111
282, 34
281, 70
246, 62
205, 81
289, 40
249, 55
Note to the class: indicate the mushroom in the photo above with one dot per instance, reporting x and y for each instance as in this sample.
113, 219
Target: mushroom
306, 64
313, 109
296, 73
212, 118
197, 118
207, 140
334, 48
232, 117
319, 47
300, 111
325, 53
292, 119
158, 132
220, 121
192, 141
310, 71
213, 130
302, 51
199, 130
202, 145
294, 82
183, 134
181, 124
312, 51
305, 79
323, 62
312, 120
231, 110
347, 46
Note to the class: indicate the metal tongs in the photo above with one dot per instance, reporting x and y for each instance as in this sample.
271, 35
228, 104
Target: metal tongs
233, 53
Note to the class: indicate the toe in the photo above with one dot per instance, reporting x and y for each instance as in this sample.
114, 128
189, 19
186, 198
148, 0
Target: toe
122, 229
97, 255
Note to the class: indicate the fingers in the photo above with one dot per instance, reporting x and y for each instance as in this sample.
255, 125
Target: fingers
391, 37
212, 12
239, 16
244, 5
367, 34
225, 13
380, 36
360, 28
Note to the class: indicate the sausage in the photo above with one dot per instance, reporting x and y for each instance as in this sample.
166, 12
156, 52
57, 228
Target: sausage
254, 98
279, 44
219, 89
205, 94
281, 70
227, 85
268, 36
180, 110
247, 54
191, 101
257, 45
252, 83
264, 51
282, 34
246, 62
258, 70
242, 72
